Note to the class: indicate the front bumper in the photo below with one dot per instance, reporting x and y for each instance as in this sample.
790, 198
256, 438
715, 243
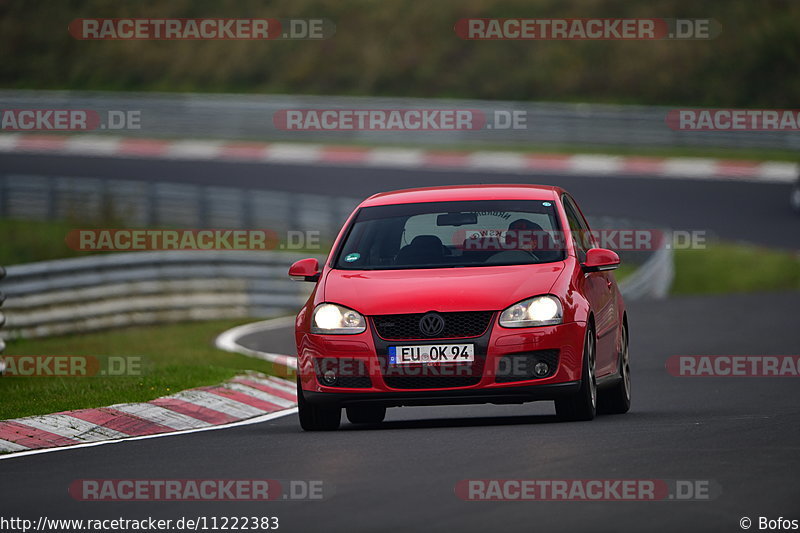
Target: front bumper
368, 351
497, 395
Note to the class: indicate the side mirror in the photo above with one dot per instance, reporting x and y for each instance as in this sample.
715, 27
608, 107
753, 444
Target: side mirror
305, 270
600, 259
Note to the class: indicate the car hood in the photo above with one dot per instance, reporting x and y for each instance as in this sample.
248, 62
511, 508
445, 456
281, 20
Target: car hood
493, 288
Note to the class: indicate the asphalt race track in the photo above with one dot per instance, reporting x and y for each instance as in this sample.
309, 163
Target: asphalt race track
742, 435
736, 211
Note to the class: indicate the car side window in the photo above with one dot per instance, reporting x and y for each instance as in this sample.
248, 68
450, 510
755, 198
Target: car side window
578, 228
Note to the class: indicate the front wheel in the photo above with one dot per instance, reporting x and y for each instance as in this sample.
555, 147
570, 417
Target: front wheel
583, 404
317, 417
617, 399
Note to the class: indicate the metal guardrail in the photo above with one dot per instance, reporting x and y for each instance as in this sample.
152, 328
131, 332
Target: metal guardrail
159, 204
654, 278
234, 116
2, 322
103, 291
656, 271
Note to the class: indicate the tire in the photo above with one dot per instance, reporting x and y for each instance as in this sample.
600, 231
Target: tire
617, 399
366, 414
317, 417
583, 404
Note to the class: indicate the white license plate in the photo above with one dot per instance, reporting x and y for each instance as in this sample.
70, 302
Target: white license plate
431, 353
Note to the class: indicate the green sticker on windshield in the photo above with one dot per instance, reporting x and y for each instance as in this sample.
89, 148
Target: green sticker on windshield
352, 257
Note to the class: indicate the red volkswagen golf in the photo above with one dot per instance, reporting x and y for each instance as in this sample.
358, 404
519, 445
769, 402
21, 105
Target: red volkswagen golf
459, 295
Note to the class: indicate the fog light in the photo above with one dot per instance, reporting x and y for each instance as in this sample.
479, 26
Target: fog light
329, 377
541, 369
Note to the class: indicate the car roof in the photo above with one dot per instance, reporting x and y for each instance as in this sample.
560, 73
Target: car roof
454, 193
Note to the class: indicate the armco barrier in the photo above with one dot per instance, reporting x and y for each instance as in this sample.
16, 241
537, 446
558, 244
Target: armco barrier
238, 116
2, 322
103, 291
656, 270
164, 204
654, 278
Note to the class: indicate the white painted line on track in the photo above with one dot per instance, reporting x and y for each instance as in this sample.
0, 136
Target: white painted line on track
596, 164
93, 145
503, 161
194, 150
778, 171
8, 142
395, 157
299, 153
227, 340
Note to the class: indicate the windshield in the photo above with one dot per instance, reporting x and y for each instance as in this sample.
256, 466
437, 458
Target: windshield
451, 234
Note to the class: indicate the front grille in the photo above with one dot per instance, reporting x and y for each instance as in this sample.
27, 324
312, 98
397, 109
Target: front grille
435, 376
519, 366
432, 382
456, 325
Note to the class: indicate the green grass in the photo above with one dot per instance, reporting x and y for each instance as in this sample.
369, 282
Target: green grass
176, 357
624, 270
25, 241
727, 268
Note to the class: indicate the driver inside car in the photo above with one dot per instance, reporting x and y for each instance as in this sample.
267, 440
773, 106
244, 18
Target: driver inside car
526, 235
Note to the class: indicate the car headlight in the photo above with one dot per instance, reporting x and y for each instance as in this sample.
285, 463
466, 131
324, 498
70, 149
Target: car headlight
337, 320
538, 311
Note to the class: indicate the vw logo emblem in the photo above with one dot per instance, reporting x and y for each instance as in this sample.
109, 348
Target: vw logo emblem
431, 325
